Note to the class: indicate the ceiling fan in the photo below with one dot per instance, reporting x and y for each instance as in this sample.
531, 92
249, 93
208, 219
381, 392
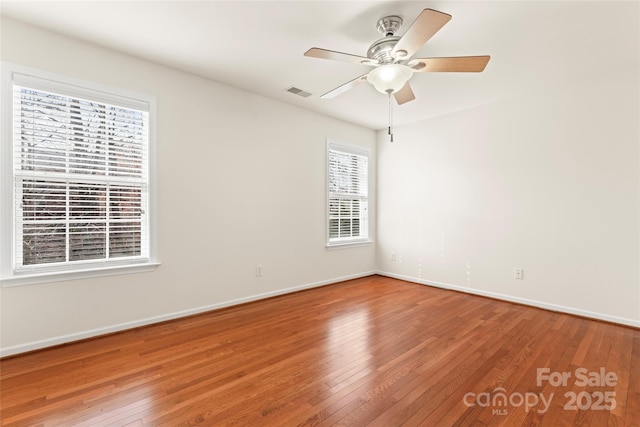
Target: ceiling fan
392, 57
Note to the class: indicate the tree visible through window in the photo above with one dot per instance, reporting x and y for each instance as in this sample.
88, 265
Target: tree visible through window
348, 175
80, 168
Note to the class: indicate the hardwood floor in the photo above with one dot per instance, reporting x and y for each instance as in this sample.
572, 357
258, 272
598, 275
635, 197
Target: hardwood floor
372, 351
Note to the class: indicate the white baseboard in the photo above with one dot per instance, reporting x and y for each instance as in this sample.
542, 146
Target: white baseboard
90, 333
509, 298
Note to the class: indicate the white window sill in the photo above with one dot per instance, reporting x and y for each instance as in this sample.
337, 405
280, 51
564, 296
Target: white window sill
345, 245
22, 279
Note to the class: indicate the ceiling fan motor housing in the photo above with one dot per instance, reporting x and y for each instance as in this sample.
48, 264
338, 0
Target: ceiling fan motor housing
380, 50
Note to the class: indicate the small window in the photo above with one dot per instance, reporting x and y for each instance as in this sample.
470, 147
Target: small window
80, 187
348, 194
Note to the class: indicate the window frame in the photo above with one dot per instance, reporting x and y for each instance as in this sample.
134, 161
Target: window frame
10, 273
333, 144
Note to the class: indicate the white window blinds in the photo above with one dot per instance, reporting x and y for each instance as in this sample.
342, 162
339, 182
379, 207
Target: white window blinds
80, 168
348, 190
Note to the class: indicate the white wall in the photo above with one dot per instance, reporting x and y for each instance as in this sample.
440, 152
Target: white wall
547, 181
241, 181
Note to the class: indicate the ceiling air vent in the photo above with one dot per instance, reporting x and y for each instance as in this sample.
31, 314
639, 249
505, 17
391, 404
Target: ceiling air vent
297, 91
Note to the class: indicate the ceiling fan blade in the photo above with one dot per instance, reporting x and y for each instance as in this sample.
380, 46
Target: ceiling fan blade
423, 28
404, 95
467, 64
316, 52
345, 87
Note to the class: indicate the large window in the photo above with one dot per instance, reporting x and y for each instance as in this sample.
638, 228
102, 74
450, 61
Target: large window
79, 191
348, 194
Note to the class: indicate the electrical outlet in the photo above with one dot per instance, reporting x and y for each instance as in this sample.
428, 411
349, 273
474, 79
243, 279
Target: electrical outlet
393, 256
518, 273
258, 270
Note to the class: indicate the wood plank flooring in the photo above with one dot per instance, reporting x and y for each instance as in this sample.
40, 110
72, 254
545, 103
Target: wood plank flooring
373, 351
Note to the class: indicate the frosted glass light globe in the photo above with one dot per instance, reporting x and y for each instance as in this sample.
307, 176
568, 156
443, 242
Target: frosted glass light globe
389, 78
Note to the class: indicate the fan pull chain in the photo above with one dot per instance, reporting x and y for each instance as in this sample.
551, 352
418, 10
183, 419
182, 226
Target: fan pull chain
390, 119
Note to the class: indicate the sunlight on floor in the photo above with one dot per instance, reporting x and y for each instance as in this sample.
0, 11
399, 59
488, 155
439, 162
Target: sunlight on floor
349, 345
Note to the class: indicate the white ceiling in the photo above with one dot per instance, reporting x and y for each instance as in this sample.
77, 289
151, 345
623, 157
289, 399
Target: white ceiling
258, 46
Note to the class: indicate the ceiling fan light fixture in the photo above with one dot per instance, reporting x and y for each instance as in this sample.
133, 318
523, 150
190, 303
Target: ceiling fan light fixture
389, 78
